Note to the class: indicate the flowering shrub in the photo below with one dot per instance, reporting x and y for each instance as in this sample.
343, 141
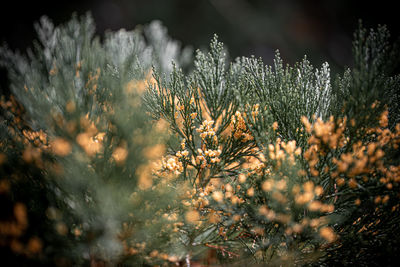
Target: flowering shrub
277, 165
281, 167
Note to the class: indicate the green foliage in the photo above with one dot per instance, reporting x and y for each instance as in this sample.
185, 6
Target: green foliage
274, 165
280, 153
81, 99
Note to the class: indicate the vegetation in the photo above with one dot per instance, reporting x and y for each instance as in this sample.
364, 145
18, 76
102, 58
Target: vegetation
242, 162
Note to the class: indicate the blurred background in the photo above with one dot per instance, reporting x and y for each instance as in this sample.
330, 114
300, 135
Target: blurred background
321, 29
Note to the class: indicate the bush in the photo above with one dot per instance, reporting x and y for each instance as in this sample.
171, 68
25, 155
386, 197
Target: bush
275, 165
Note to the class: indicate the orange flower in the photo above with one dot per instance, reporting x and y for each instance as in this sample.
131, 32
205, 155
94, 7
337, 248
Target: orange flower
60, 147
192, 216
328, 234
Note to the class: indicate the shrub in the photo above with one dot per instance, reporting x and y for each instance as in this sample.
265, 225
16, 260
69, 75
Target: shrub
277, 165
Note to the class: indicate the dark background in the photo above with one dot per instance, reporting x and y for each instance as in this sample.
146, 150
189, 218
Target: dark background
321, 29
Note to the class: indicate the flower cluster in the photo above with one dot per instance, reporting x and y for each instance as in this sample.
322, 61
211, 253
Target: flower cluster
183, 153
207, 130
91, 140
207, 157
239, 128
329, 132
255, 163
172, 164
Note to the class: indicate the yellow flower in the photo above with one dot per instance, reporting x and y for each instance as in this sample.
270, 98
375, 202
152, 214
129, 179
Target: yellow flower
218, 196
327, 233
242, 178
192, 216
120, 154
60, 147
267, 185
275, 126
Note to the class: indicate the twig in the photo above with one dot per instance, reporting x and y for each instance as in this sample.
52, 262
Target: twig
223, 250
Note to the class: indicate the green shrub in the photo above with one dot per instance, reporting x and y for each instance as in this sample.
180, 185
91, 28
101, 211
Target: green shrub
242, 162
